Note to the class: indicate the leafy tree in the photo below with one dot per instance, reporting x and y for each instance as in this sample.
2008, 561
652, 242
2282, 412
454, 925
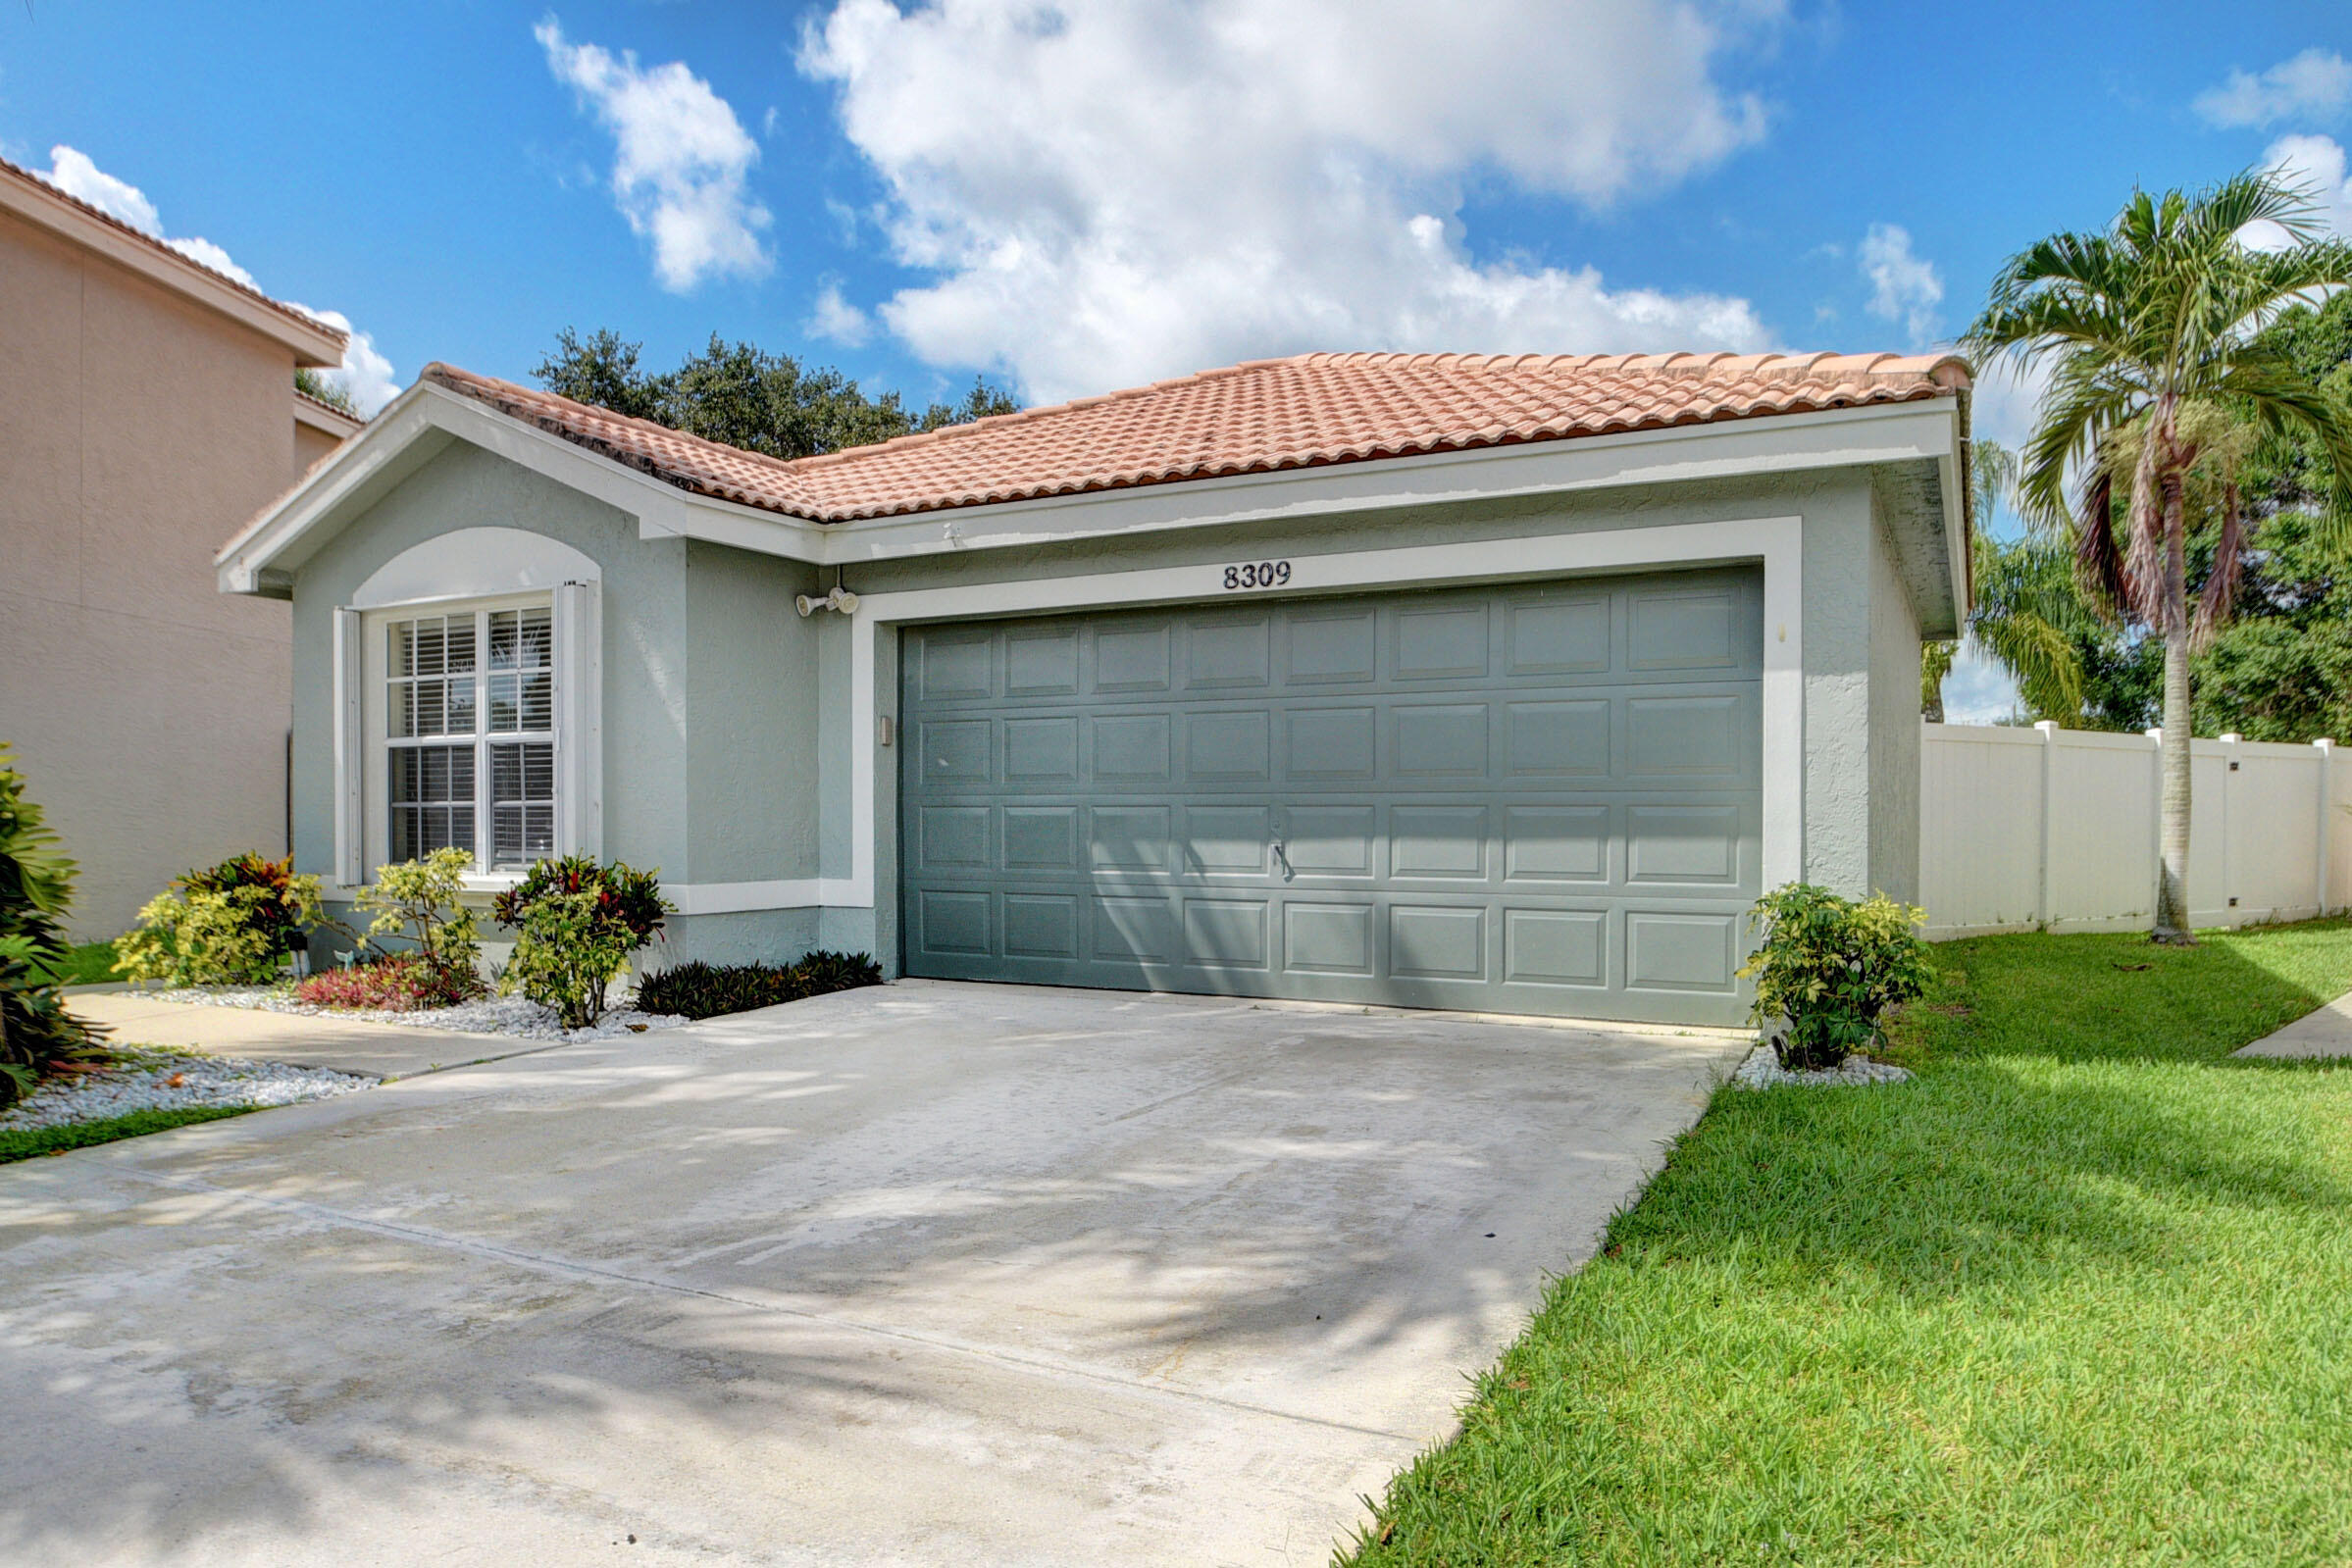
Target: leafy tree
2026, 609
2152, 332
334, 394
739, 395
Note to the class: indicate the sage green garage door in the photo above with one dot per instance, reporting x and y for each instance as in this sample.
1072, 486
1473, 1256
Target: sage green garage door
1535, 800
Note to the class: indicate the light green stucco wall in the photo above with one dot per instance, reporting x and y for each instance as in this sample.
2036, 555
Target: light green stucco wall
709, 689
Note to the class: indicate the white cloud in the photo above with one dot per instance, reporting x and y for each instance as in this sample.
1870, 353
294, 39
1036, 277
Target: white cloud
681, 160
204, 253
71, 171
2315, 85
365, 372
2316, 162
838, 321
1109, 193
1904, 287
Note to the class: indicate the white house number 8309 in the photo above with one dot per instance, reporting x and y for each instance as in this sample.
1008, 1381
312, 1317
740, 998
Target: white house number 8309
1257, 575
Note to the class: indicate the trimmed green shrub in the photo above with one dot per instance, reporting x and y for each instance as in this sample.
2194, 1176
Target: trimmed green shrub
1827, 968
578, 922
38, 1035
697, 990
231, 925
418, 903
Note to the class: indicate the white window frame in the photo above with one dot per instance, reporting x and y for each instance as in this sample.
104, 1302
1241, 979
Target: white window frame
364, 742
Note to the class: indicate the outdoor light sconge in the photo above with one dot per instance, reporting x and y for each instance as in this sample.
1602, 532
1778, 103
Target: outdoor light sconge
839, 599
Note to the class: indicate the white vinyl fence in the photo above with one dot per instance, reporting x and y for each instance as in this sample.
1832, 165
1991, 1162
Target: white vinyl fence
2020, 828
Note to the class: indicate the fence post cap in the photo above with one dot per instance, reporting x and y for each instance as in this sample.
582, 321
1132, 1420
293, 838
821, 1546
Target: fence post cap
2324, 744
2231, 738
2048, 727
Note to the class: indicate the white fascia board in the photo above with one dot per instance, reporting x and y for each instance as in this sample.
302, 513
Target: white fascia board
1766, 444
291, 529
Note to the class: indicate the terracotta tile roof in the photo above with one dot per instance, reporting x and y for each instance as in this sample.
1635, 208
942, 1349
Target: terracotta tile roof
336, 408
100, 215
1304, 412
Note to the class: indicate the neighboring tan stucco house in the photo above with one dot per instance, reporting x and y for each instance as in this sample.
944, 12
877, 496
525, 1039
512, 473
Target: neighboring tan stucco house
147, 407
1443, 681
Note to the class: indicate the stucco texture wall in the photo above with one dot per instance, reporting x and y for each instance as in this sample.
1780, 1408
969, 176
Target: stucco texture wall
709, 689
148, 711
1895, 735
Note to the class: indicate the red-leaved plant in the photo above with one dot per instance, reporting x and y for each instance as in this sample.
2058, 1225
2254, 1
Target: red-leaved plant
401, 983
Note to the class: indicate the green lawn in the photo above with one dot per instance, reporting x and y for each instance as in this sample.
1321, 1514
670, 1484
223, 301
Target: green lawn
2080, 1293
23, 1143
88, 965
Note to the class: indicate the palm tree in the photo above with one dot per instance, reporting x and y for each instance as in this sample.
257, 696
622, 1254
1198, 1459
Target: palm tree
2150, 329
2017, 620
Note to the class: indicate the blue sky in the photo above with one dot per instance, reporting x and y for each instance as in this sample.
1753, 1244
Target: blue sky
1079, 197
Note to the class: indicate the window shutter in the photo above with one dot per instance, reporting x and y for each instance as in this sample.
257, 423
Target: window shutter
579, 720
349, 672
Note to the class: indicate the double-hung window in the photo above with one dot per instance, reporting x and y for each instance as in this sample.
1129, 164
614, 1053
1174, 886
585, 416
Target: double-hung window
469, 738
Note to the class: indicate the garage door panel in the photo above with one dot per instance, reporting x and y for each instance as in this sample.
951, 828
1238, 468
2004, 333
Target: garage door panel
1696, 845
1680, 950
952, 665
1042, 925
1129, 838
1227, 840
1440, 740
1228, 747
1557, 843
1692, 737
1567, 634
1328, 938
1041, 663
1326, 647
1437, 941
1684, 628
954, 838
1555, 947
1132, 659
1332, 841
953, 923
1538, 799
1137, 929
1326, 746
1132, 749
1438, 841
1441, 643
1229, 655
1040, 753
1557, 740
1041, 839
1225, 934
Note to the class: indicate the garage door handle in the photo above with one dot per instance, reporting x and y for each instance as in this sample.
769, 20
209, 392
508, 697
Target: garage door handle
1285, 860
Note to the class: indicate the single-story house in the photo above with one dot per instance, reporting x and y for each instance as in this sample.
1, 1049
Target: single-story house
1493, 683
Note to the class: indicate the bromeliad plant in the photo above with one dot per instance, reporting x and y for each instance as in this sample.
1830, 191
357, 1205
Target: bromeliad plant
38, 1035
1827, 968
229, 925
578, 922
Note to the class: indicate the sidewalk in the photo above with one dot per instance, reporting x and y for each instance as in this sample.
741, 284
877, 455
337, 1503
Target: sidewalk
346, 1045
2325, 1032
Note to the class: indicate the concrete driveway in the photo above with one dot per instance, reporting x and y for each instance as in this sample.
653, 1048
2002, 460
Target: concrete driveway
931, 1274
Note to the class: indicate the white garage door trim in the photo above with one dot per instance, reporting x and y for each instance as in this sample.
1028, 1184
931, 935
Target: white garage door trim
1776, 543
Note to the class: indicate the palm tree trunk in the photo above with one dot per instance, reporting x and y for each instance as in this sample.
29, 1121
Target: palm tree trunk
2171, 879
1933, 712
